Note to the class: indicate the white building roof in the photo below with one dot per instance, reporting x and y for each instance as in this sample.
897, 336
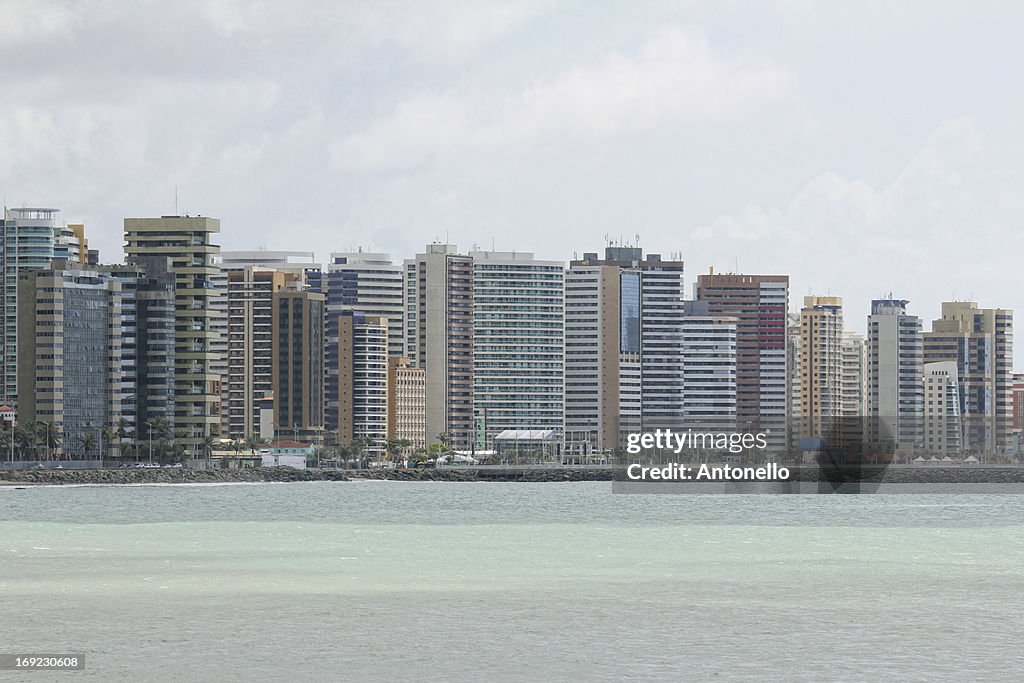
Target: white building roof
527, 435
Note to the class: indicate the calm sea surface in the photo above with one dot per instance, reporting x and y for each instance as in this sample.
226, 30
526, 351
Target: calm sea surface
488, 581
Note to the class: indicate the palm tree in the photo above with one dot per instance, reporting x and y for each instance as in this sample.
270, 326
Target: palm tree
209, 442
106, 439
26, 439
88, 441
6, 437
50, 437
394, 449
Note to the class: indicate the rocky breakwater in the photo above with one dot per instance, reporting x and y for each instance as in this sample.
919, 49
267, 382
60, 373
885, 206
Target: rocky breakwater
539, 474
168, 475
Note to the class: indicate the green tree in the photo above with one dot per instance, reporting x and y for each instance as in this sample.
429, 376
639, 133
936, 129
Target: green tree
394, 449
88, 441
49, 436
6, 438
209, 442
106, 441
27, 439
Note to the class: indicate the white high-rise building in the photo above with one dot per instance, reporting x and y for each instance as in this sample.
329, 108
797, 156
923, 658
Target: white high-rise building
708, 345
518, 342
371, 284
439, 339
853, 381
895, 350
942, 432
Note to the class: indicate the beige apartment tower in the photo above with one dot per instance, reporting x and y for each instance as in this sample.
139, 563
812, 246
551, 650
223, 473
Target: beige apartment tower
821, 363
439, 339
407, 402
250, 347
980, 342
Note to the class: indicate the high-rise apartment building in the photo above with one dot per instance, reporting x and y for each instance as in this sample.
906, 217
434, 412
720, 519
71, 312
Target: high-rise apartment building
250, 347
942, 428
70, 330
759, 303
980, 342
439, 339
155, 340
298, 353
372, 285
199, 320
407, 402
853, 385
821, 364
1018, 401
622, 361
895, 352
362, 405
708, 345
517, 343
793, 379
27, 242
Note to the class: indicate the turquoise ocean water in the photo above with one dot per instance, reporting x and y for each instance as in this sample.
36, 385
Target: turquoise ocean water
509, 581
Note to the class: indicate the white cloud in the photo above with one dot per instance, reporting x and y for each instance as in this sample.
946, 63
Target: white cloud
935, 230
23, 21
443, 30
675, 79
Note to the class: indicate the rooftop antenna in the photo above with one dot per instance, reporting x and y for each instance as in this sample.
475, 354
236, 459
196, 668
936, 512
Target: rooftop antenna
175, 200
736, 261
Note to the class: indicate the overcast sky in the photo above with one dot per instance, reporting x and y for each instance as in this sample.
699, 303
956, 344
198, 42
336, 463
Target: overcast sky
861, 148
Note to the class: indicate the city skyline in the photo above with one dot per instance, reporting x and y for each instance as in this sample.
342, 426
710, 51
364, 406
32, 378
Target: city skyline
751, 138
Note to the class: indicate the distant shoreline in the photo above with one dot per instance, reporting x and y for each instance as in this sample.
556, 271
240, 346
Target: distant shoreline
945, 475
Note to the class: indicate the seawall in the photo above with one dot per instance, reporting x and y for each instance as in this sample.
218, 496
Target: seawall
893, 475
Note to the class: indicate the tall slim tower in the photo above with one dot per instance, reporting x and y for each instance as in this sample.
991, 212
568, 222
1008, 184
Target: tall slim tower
439, 339
298, 353
980, 342
186, 240
250, 348
362, 406
759, 303
821, 364
518, 342
853, 386
27, 242
895, 386
943, 429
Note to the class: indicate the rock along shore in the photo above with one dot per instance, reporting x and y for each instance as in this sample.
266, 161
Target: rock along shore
894, 475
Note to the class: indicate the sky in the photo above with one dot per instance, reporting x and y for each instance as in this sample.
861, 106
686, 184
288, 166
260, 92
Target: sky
862, 148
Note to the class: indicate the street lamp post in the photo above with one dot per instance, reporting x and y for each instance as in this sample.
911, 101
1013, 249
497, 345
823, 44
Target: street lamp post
150, 434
